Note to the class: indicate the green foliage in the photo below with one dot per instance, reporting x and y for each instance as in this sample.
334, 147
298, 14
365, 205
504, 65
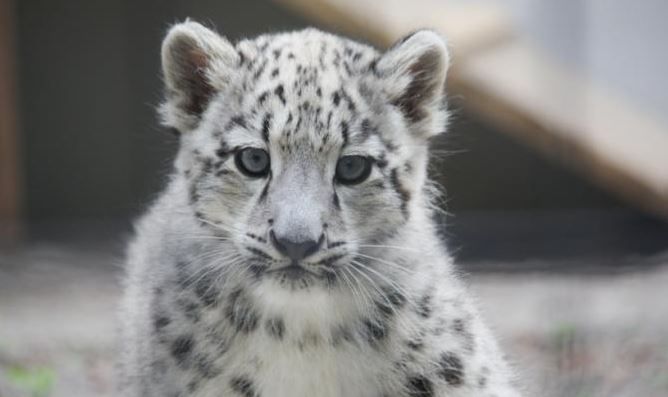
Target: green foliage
37, 381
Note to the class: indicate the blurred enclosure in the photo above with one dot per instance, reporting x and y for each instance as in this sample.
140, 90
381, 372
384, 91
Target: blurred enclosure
555, 166
558, 109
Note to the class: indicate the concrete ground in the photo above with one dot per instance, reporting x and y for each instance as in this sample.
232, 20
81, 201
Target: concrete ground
581, 335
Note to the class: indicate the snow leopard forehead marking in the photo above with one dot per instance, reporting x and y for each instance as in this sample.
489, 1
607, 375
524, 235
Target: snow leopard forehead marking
302, 90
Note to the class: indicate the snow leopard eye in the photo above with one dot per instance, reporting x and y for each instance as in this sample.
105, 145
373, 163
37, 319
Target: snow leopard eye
252, 162
351, 170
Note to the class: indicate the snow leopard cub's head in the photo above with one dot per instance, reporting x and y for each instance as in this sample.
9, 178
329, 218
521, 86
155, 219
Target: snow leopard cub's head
302, 149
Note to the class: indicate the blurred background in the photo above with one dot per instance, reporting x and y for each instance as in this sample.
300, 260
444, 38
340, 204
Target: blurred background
555, 168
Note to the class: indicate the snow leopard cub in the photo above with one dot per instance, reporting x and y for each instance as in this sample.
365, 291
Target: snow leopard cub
293, 252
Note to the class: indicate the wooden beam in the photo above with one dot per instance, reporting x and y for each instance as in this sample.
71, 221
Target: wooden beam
10, 204
570, 120
524, 93
468, 28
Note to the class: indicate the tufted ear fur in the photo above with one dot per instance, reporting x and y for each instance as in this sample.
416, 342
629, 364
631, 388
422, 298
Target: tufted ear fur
414, 71
196, 62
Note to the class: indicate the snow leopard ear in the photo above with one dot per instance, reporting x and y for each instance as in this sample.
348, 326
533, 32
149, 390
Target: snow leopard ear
196, 62
414, 71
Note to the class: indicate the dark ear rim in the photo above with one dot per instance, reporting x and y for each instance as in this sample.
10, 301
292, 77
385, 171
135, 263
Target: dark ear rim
191, 55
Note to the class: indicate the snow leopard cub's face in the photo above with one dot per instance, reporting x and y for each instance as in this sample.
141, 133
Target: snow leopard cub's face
302, 149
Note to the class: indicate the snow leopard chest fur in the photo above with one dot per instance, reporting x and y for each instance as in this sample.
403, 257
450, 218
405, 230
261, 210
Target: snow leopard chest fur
294, 252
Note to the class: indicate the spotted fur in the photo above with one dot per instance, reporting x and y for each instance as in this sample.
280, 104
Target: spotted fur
379, 310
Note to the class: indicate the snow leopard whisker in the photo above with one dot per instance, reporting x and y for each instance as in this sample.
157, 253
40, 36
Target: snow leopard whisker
363, 300
383, 277
388, 246
378, 289
384, 295
220, 226
393, 265
208, 261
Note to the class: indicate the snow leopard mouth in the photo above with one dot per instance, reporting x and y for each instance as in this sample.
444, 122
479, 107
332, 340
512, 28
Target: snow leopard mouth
293, 271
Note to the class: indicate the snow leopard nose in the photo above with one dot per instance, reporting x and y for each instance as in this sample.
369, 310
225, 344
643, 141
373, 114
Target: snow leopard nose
295, 250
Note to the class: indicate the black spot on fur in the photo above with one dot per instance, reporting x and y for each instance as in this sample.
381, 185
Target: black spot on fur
415, 344
190, 309
243, 386
335, 244
266, 124
274, 73
193, 385
381, 161
207, 165
404, 194
349, 100
260, 70
396, 298
340, 335
329, 119
458, 326
308, 340
263, 97
275, 327
206, 290
237, 120
256, 237
451, 369
205, 367
424, 306
160, 322
347, 68
367, 129
393, 300
240, 313
374, 331
372, 67
344, 131
181, 348
419, 386
280, 92
336, 98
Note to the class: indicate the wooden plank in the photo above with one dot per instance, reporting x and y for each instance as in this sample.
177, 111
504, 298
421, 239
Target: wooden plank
10, 205
468, 28
570, 120
524, 93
